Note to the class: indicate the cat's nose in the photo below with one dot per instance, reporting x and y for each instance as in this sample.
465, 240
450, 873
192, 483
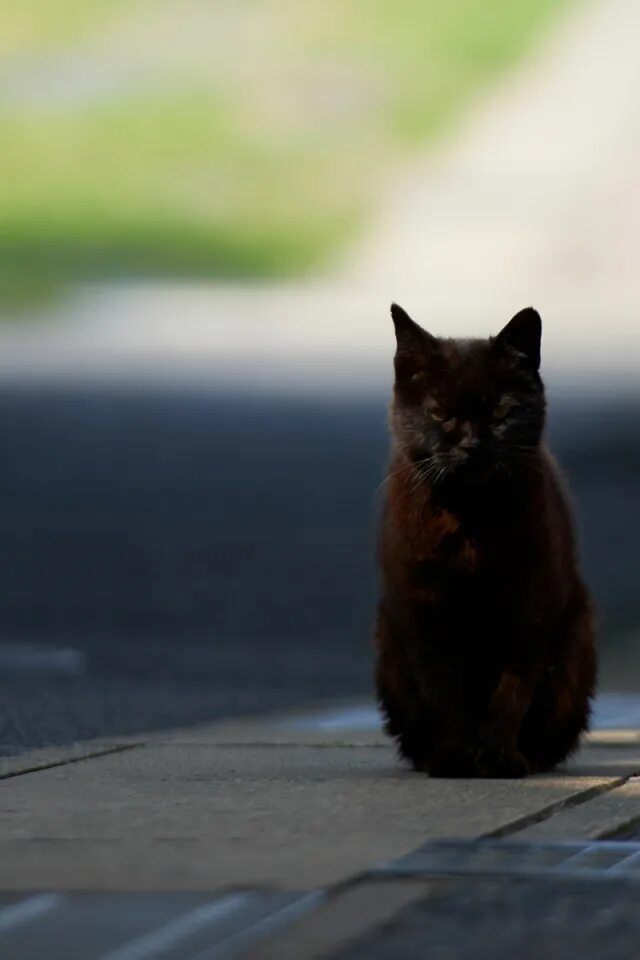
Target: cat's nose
468, 438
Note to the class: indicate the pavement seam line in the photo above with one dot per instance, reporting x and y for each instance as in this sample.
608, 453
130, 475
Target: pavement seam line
619, 832
275, 745
546, 813
51, 764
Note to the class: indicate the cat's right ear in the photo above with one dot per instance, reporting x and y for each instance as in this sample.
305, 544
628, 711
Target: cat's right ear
521, 337
411, 339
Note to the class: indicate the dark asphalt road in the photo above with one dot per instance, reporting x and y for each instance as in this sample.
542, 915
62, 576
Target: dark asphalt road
212, 555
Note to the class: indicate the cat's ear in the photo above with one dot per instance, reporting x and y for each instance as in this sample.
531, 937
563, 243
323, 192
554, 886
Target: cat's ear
410, 337
521, 337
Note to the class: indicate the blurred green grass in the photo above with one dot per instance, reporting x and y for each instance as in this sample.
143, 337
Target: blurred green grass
35, 26
244, 139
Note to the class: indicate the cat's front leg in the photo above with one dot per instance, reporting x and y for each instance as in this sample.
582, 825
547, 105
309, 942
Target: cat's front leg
453, 758
446, 714
497, 752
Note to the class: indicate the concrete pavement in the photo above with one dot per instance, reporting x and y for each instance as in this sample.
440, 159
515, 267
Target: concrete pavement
288, 803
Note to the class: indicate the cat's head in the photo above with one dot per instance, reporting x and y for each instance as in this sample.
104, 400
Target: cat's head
473, 408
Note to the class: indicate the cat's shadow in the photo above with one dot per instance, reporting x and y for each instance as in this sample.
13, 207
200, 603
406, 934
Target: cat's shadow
612, 764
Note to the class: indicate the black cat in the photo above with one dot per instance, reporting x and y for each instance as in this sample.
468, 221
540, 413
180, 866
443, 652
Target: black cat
486, 658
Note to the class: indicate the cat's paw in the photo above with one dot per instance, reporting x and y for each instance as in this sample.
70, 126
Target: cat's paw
499, 762
453, 760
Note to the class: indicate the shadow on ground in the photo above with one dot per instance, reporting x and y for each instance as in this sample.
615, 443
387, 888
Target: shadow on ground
211, 555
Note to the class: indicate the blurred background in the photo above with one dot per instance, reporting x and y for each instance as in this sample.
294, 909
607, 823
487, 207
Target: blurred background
206, 207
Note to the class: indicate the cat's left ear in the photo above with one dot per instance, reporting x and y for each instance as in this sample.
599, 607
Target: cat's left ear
411, 338
522, 336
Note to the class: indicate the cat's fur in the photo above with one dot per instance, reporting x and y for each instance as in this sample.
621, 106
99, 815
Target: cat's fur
486, 660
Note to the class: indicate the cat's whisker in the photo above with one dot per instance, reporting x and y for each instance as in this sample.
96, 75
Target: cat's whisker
389, 476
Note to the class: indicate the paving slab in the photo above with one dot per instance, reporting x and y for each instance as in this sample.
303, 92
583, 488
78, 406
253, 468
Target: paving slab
294, 801
346, 916
36, 760
505, 918
384, 906
610, 815
142, 926
284, 836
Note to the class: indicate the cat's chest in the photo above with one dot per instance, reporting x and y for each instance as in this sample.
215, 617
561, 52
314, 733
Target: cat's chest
443, 537
446, 545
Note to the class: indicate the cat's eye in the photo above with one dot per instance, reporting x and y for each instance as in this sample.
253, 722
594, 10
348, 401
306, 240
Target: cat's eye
436, 416
417, 375
504, 406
